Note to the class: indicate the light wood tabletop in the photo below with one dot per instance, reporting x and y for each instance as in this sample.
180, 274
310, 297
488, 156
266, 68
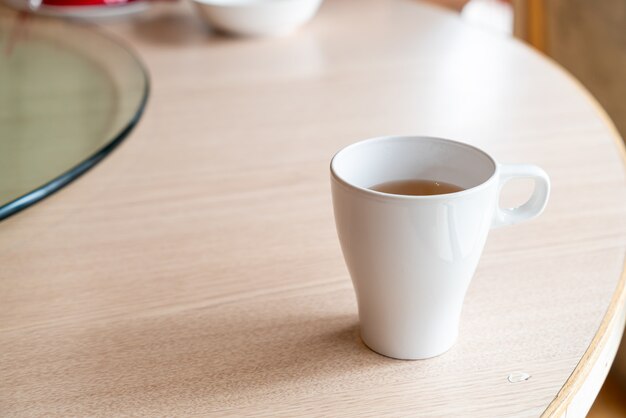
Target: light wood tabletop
196, 270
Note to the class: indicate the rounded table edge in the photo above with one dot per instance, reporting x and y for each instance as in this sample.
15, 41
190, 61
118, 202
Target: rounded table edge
613, 319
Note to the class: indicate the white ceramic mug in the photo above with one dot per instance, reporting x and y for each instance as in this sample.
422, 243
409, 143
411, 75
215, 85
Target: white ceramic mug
411, 258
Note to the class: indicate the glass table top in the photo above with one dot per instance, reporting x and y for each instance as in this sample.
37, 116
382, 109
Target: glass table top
68, 96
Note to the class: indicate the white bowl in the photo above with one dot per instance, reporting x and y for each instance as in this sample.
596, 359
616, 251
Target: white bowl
257, 17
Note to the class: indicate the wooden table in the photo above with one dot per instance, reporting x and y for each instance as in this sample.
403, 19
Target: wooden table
196, 271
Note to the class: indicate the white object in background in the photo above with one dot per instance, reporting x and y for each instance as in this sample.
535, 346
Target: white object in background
411, 258
257, 17
496, 15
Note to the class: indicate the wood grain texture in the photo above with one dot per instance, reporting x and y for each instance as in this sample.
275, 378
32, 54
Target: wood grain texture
583, 385
196, 271
571, 27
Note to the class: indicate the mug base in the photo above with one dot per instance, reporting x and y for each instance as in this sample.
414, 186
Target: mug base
401, 354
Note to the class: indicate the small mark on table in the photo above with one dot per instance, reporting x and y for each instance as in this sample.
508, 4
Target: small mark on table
516, 377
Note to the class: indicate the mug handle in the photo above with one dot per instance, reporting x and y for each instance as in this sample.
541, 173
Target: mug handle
534, 206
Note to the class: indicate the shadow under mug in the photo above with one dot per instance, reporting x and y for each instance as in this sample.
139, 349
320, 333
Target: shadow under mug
411, 258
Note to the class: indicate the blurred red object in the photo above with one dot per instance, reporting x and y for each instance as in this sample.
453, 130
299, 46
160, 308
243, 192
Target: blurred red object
80, 8
75, 3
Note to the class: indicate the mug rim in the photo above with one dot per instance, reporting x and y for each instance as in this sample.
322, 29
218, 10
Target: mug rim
373, 193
